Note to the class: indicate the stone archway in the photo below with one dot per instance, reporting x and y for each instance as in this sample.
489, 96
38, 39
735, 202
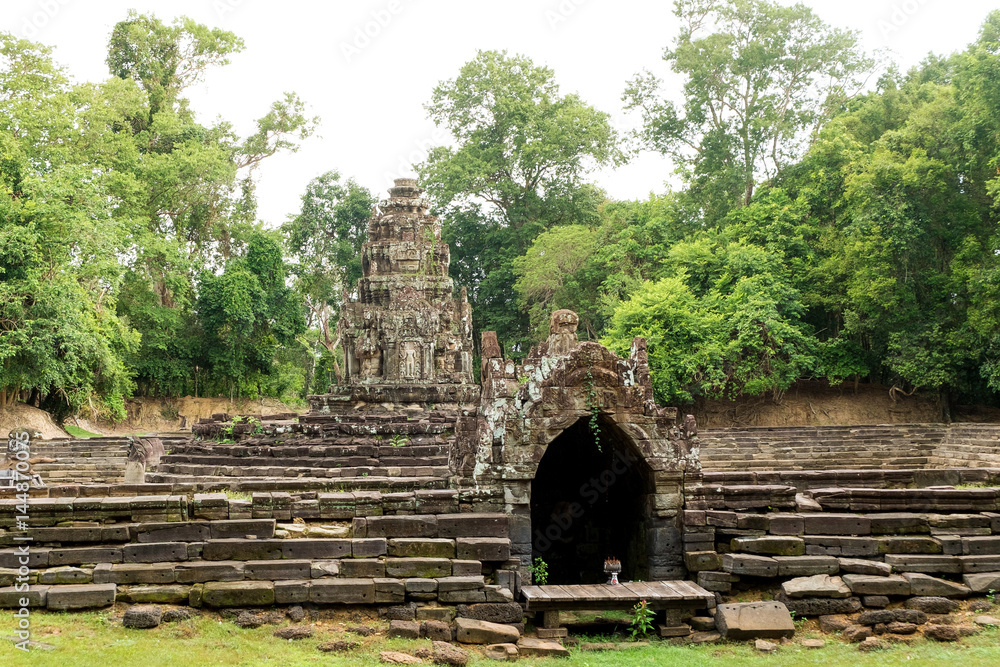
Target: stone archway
532, 408
590, 501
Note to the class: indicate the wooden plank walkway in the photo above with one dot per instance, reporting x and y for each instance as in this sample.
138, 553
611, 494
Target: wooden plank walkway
576, 597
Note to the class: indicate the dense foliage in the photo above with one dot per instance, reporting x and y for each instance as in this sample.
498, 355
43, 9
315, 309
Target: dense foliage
821, 231
116, 205
522, 152
875, 255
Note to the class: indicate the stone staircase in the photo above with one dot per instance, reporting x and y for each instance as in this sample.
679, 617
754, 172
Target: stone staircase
969, 445
383, 451
350, 466
93, 461
86, 461
887, 447
892, 554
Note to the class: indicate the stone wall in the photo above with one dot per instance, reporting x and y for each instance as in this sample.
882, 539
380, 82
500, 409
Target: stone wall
218, 552
838, 550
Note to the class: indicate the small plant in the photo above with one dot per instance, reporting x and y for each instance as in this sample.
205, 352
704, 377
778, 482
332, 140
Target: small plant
594, 408
226, 430
991, 596
399, 440
540, 572
642, 619
522, 380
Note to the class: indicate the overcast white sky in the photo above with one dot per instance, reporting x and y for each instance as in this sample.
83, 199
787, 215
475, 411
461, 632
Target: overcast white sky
370, 94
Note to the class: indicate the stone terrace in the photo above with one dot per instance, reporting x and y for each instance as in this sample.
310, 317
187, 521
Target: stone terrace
410, 484
401, 452
892, 446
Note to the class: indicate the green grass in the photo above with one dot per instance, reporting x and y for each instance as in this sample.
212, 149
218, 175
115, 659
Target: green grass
78, 432
85, 639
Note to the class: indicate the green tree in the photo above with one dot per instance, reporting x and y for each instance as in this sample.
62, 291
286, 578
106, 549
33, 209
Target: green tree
728, 321
522, 150
551, 276
163, 59
114, 200
61, 342
326, 239
192, 198
760, 79
682, 335
247, 312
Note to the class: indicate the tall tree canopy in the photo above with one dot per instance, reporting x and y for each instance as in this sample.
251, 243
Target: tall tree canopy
522, 150
876, 255
759, 81
193, 198
61, 157
114, 201
325, 239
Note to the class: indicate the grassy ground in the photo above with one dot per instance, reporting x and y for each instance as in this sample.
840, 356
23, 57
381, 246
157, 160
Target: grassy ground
97, 638
78, 432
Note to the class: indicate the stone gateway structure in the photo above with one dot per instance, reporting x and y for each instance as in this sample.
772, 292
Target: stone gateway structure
568, 444
588, 465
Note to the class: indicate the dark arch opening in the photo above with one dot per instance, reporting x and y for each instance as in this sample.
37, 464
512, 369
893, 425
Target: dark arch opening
590, 503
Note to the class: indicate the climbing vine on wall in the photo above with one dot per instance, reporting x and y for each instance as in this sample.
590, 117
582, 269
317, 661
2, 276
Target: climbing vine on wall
593, 407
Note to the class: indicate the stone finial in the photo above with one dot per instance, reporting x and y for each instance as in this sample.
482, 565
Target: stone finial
405, 187
563, 321
562, 332
490, 346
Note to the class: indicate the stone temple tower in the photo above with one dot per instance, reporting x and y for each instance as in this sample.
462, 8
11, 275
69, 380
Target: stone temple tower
406, 338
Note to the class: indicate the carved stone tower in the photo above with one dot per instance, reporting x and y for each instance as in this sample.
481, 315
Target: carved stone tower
407, 338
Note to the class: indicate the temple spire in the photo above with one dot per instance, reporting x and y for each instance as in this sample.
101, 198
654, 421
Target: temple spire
407, 327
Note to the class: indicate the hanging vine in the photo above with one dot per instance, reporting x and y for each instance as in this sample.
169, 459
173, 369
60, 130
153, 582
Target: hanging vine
591, 398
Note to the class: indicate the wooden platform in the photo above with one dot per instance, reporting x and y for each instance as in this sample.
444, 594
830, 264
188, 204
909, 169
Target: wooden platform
657, 594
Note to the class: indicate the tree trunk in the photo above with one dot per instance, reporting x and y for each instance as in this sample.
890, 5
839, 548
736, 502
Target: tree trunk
944, 397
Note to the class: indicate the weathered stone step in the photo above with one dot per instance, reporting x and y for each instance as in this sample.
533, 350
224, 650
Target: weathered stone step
303, 483
82, 464
173, 531
61, 598
308, 462
414, 449
294, 471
